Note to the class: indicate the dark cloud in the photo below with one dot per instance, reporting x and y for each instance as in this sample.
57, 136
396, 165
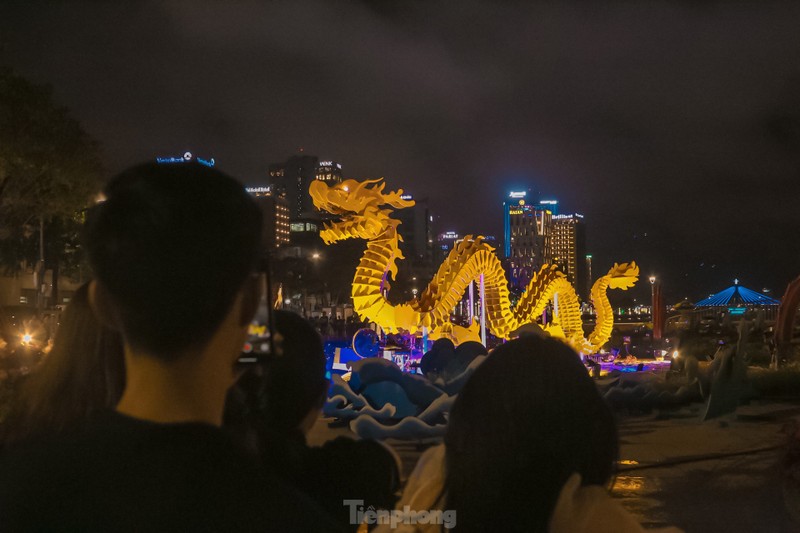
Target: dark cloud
673, 126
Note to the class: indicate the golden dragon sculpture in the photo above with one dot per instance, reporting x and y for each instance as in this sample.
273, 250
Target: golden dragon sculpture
365, 212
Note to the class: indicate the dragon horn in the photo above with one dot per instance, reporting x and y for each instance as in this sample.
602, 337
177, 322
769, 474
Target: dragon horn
362, 185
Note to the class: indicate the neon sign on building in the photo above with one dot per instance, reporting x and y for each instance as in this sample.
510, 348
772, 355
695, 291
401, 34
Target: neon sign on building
185, 158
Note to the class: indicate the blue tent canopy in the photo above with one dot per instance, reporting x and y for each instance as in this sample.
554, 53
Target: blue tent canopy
737, 295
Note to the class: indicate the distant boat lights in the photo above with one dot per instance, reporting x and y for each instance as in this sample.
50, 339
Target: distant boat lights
185, 158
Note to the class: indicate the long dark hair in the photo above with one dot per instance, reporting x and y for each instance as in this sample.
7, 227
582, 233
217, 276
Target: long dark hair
273, 400
294, 383
83, 373
527, 419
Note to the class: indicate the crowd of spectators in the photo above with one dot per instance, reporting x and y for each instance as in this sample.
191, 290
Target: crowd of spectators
143, 417
336, 328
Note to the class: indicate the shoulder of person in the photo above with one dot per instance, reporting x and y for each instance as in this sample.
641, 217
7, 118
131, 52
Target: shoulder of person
592, 509
425, 486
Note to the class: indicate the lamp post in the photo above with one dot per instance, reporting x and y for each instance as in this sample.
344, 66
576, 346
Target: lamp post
483, 312
653, 292
319, 293
653, 316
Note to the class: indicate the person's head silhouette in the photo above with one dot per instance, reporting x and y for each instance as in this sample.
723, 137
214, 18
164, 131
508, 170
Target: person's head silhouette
174, 249
528, 419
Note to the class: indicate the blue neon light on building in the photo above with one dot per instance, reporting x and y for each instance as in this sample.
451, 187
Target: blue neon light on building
185, 158
548, 205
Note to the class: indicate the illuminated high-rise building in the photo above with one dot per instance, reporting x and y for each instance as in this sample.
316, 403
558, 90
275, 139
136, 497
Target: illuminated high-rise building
416, 229
527, 231
330, 172
275, 212
292, 178
568, 250
445, 242
547, 205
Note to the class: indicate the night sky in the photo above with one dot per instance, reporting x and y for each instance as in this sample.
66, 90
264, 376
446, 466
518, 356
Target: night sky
674, 127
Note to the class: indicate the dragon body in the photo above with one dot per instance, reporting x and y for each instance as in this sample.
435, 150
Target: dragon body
366, 214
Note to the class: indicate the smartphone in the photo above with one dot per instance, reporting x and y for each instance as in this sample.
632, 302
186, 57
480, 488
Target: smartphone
258, 346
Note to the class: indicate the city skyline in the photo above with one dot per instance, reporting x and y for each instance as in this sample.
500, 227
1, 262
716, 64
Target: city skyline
675, 137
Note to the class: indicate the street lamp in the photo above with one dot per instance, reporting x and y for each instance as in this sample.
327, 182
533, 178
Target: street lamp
653, 298
653, 313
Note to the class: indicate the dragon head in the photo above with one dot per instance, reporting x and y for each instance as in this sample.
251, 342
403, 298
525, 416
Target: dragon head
362, 206
623, 276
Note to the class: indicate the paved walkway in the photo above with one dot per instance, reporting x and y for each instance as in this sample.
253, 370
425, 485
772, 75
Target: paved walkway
737, 492
664, 482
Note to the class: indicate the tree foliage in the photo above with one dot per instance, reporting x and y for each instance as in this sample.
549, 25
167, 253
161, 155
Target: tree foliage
49, 171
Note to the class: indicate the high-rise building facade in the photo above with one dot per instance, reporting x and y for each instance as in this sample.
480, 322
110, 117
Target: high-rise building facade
275, 212
416, 229
329, 171
568, 250
445, 242
292, 178
527, 232
547, 205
